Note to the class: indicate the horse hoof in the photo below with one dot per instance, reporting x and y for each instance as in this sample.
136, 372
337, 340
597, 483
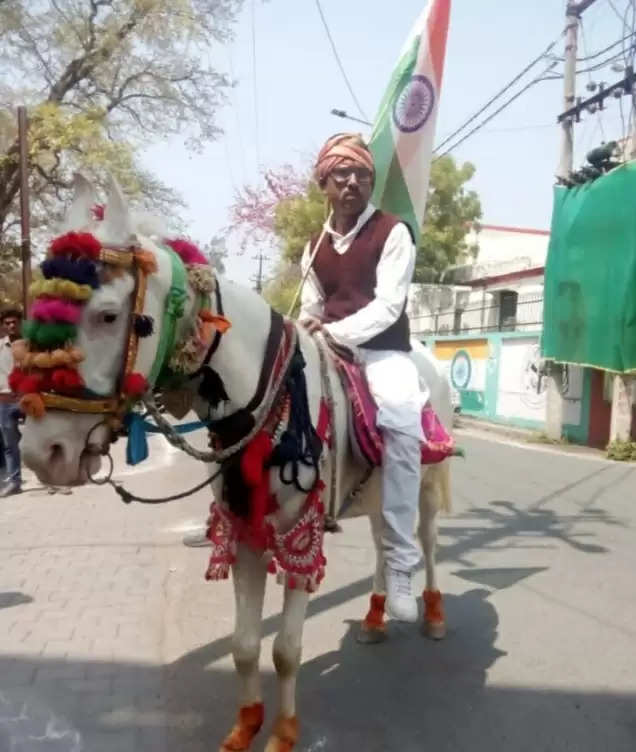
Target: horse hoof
249, 723
434, 622
371, 635
284, 736
373, 628
435, 630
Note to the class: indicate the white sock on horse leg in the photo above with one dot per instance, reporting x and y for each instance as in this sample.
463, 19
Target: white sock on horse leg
249, 576
288, 648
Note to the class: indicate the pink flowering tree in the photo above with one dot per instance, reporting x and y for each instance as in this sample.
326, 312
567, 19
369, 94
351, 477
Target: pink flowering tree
283, 213
254, 211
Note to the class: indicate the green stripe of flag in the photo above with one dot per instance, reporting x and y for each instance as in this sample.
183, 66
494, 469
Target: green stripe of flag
391, 193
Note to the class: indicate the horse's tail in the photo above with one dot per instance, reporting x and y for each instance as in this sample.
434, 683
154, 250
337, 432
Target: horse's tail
444, 486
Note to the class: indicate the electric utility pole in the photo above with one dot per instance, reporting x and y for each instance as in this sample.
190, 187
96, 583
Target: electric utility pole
554, 396
569, 92
258, 279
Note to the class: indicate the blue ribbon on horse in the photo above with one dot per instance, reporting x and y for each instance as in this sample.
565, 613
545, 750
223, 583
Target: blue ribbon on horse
138, 429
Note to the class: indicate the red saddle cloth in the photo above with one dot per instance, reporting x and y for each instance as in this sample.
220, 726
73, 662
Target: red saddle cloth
365, 435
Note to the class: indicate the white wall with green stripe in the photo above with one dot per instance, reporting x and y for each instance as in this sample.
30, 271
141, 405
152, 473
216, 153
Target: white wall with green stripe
499, 379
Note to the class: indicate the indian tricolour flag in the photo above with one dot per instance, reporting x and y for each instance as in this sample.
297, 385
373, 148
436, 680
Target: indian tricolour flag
402, 138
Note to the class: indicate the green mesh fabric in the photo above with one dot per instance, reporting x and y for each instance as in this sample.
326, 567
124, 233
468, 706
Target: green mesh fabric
590, 276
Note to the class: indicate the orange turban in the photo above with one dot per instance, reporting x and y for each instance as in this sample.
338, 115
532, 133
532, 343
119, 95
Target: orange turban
341, 148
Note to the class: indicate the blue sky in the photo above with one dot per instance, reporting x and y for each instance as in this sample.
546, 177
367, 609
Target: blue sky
298, 82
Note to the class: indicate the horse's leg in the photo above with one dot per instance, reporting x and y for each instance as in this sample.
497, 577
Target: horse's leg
287, 654
430, 501
373, 629
249, 575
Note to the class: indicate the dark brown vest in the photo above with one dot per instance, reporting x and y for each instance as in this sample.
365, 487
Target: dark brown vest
348, 280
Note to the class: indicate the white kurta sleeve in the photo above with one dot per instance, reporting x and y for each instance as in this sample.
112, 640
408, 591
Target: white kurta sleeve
311, 299
393, 276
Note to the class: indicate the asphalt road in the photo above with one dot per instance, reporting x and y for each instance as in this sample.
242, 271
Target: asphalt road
111, 640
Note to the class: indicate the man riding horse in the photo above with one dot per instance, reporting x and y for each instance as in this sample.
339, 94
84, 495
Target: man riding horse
356, 292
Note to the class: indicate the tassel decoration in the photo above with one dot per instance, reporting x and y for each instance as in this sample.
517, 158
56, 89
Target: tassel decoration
220, 323
33, 406
144, 325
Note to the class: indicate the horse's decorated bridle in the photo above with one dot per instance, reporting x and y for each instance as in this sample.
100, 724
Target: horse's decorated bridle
46, 373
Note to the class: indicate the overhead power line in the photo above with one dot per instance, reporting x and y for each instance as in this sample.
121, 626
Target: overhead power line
339, 61
596, 67
494, 114
500, 93
594, 55
590, 82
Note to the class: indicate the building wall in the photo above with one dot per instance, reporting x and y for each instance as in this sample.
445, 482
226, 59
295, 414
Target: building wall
432, 308
498, 378
503, 244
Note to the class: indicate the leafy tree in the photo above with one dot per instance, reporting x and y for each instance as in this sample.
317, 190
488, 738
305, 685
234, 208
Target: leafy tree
216, 253
102, 79
299, 218
280, 290
450, 211
289, 210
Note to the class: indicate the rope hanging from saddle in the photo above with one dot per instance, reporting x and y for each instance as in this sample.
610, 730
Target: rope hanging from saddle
299, 443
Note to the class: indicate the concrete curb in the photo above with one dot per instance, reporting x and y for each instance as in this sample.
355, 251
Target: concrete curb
524, 438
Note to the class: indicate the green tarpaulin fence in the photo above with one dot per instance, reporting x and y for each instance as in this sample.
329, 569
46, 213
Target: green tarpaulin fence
590, 276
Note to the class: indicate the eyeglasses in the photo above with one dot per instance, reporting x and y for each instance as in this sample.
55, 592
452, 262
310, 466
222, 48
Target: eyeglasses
342, 175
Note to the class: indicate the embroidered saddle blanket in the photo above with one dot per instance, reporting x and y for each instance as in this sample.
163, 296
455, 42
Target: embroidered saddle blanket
366, 438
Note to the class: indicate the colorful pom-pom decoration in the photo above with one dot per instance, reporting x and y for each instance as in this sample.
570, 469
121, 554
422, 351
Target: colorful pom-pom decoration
23, 382
82, 271
187, 251
76, 244
49, 309
47, 334
60, 288
66, 380
135, 384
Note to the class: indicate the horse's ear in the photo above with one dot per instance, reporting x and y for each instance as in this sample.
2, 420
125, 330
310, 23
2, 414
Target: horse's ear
79, 215
117, 227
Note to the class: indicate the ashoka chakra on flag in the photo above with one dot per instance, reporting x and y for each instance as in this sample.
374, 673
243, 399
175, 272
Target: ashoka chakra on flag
414, 105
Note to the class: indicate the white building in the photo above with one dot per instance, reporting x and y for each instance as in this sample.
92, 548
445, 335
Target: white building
501, 291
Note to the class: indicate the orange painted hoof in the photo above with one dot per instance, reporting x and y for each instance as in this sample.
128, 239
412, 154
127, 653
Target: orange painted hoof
434, 620
373, 628
249, 723
284, 736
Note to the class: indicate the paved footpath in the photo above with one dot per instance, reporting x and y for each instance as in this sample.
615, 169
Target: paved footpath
111, 640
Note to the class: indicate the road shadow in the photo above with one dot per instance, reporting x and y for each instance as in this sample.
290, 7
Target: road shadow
10, 599
408, 694
504, 522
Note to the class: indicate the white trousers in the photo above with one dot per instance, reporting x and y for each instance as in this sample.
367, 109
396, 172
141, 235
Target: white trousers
395, 385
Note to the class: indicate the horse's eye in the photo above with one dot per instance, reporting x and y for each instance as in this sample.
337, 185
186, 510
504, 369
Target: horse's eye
109, 318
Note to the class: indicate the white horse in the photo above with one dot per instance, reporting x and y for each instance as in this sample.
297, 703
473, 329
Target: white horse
62, 445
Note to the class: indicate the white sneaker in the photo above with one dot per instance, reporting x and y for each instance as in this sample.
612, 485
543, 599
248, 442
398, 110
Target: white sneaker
400, 602
197, 539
